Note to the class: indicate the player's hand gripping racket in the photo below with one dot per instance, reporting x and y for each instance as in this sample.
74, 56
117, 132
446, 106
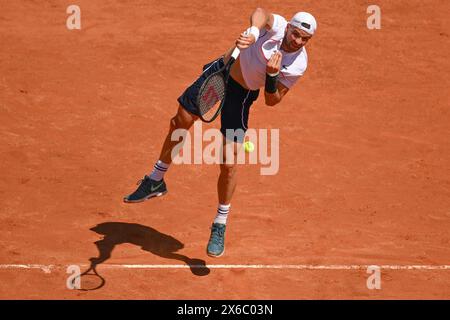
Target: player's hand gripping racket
212, 93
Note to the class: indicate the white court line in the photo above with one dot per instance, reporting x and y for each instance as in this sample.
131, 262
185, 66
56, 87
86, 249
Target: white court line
49, 268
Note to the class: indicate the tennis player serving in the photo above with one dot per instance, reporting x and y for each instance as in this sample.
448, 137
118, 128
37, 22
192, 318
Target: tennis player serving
272, 56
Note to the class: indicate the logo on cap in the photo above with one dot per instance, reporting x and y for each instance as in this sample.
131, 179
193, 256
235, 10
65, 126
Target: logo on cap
306, 25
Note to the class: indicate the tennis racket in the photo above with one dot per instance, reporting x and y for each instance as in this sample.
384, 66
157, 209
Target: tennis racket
212, 93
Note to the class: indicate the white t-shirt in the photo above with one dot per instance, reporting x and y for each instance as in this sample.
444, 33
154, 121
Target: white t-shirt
254, 58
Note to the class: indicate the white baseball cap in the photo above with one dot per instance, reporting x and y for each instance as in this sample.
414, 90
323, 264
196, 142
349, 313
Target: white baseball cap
304, 21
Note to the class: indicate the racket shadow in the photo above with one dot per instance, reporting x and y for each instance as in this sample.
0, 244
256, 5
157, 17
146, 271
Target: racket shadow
149, 239
90, 279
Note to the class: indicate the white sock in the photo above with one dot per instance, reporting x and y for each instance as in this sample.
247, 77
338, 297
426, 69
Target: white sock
159, 170
222, 213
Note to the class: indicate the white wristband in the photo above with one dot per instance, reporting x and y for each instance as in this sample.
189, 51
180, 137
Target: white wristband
254, 31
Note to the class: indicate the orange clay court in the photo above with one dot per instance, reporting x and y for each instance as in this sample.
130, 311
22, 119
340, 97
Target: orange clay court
364, 155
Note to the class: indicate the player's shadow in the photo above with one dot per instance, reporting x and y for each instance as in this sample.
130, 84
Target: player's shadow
148, 239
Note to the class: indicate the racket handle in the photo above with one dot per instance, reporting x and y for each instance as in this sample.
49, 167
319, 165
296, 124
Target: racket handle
235, 53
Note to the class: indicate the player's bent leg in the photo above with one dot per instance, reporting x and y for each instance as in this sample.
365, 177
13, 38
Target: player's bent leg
153, 185
182, 120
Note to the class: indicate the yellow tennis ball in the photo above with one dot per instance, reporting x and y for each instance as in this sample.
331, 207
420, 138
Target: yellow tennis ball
249, 146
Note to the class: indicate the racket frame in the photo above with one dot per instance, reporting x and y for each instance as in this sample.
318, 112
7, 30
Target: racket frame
226, 68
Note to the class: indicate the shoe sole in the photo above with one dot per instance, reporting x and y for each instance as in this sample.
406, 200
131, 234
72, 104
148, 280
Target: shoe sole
215, 256
152, 195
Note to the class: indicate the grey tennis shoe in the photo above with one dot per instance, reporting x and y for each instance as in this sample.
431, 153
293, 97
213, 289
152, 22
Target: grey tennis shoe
216, 244
147, 189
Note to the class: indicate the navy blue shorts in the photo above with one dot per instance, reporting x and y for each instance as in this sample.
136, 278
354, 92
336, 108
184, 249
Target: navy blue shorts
235, 111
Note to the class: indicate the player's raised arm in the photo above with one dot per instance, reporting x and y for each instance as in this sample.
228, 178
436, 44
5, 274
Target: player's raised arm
259, 19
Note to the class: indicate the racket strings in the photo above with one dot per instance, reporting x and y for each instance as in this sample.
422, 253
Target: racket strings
212, 92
